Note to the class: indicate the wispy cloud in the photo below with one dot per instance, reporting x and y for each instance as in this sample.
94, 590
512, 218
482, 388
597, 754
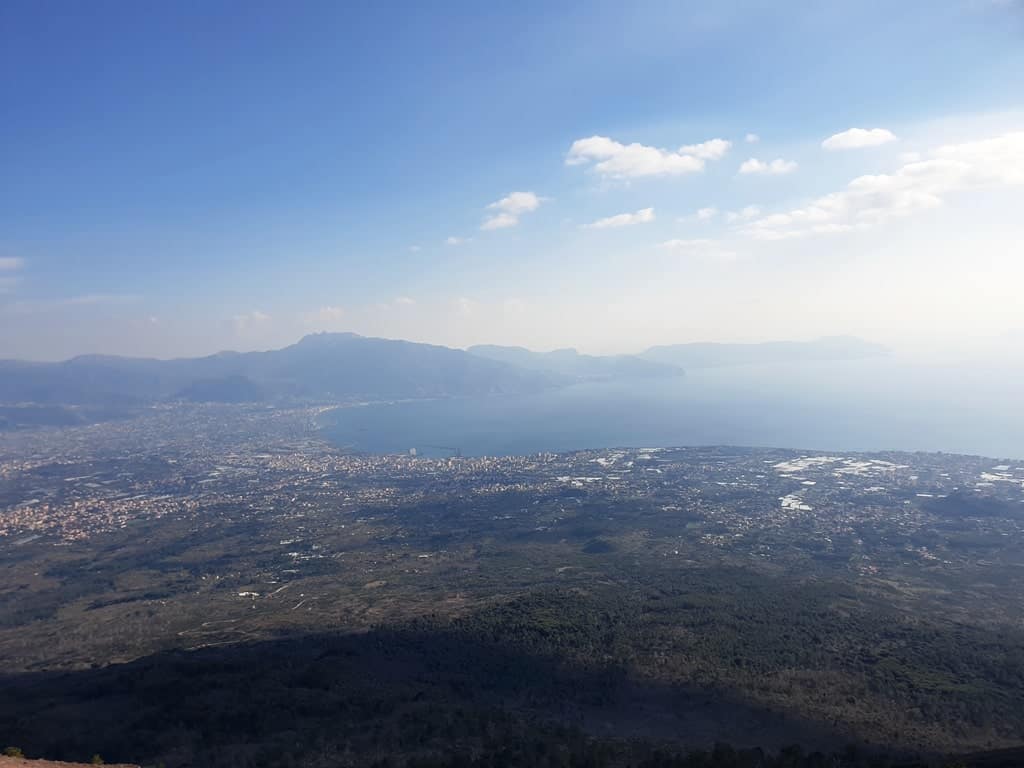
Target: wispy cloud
454, 240
643, 216
749, 212
870, 200
776, 167
706, 214
510, 208
858, 138
615, 160
713, 149
11, 263
248, 321
752, 138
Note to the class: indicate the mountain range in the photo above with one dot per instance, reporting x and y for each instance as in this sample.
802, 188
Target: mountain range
710, 355
326, 366
346, 366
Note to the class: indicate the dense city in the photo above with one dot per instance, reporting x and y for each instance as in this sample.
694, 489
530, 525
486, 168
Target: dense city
59, 486
796, 582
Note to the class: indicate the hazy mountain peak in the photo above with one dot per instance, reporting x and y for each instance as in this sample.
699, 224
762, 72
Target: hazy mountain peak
327, 337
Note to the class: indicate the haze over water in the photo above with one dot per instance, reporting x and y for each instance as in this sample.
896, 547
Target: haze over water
865, 405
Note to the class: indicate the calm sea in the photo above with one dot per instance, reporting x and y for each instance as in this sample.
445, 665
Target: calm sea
852, 406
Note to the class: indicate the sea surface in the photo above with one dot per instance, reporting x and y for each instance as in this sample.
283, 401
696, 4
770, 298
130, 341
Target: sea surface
866, 405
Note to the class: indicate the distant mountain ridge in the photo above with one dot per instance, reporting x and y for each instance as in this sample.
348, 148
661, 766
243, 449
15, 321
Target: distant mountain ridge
712, 355
346, 366
324, 366
570, 363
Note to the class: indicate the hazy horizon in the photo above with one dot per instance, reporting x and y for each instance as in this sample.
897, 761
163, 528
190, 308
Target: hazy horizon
1003, 348
549, 177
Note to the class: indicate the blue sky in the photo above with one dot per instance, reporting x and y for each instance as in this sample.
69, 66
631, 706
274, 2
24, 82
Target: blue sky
180, 178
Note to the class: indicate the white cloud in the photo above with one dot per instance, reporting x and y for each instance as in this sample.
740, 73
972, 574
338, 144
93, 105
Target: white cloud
331, 313
620, 161
453, 240
643, 216
776, 167
752, 138
501, 221
713, 149
414, 249
404, 301
510, 208
858, 138
749, 212
700, 248
249, 320
517, 202
704, 214
870, 200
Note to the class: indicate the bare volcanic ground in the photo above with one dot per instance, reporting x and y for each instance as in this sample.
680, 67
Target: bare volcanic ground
18, 762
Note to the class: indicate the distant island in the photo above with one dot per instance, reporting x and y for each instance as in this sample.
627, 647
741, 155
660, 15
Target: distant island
571, 364
707, 355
